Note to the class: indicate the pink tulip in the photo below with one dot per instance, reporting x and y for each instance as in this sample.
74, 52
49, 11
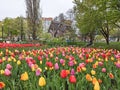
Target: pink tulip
82, 65
118, 65
20, 57
71, 63
31, 65
62, 61
103, 70
100, 63
7, 72
117, 56
8, 66
56, 58
56, 66
63, 54
38, 72
71, 58
72, 72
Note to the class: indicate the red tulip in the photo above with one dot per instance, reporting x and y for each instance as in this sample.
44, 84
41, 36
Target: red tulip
72, 79
87, 56
39, 58
1, 61
63, 74
49, 64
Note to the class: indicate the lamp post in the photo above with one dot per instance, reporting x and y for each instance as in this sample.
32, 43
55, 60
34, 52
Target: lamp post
2, 31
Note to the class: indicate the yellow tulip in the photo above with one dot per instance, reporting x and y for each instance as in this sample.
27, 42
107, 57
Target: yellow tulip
24, 76
14, 60
42, 81
51, 68
40, 62
33, 68
75, 62
18, 62
40, 69
9, 59
93, 72
112, 58
96, 86
96, 62
83, 68
1, 71
46, 68
3, 58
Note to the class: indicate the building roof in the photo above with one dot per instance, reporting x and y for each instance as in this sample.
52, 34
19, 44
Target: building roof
47, 19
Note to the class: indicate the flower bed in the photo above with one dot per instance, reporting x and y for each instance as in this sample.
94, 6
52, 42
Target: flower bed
14, 45
61, 68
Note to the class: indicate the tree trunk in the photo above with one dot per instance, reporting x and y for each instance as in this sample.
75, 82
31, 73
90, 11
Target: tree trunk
91, 38
118, 39
55, 34
105, 33
107, 40
34, 33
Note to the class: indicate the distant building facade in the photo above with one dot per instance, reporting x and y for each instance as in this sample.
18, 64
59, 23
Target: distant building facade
57, 28
46, 23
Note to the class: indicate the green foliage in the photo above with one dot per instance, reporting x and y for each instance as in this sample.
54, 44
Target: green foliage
45, 36
97, 15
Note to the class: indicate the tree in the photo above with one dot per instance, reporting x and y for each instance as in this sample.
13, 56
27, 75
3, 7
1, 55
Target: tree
10, 27
33, 16
85, 17
70, 14
97, 16
61, 27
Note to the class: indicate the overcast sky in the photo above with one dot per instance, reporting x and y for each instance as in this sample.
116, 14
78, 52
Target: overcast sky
50, 8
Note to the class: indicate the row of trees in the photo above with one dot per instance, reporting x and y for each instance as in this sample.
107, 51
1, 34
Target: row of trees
92, 17
97, 17
13, 27
20, 26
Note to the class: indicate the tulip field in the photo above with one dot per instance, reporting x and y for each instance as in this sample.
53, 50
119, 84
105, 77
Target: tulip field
59, 68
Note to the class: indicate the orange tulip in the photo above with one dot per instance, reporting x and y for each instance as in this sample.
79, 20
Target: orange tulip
78, 69
94, 80
2, 85
88, 77
100, 81
111, 75
24, 76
